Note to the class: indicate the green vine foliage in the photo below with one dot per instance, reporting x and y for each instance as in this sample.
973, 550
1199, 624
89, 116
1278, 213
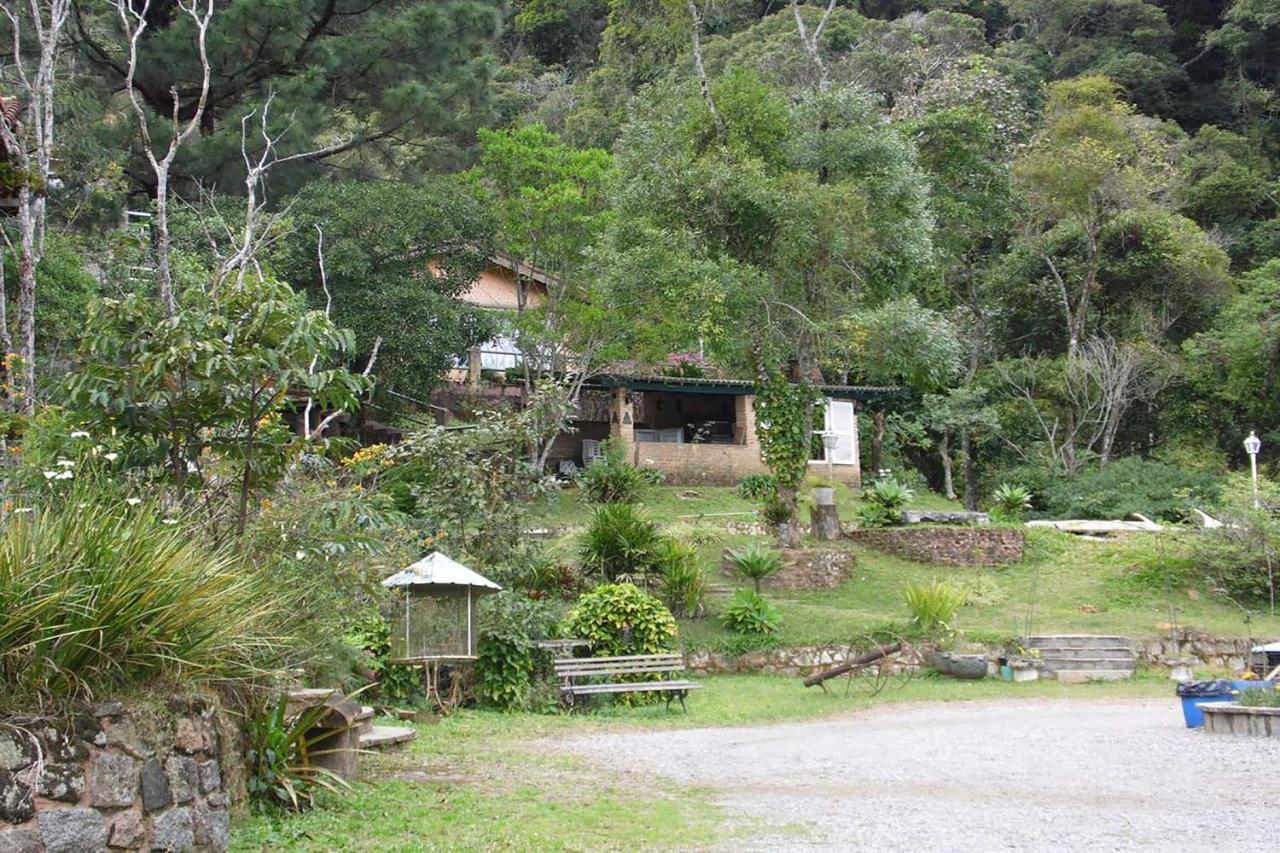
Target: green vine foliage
510, 626
398, 683
782, 408
622, 619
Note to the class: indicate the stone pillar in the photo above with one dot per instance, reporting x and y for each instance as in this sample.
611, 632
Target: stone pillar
744, 421
473, 366
622, 427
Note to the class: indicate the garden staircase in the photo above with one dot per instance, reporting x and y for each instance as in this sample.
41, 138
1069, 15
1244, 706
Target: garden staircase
1084, 657
381, 737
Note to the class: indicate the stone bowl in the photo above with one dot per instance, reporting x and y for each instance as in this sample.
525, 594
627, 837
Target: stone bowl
968, 667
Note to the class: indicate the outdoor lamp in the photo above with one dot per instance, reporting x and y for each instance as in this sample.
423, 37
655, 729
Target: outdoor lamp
1252, 444
829, 441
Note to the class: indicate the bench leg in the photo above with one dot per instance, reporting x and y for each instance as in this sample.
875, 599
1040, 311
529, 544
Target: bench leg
670, 696
683, 706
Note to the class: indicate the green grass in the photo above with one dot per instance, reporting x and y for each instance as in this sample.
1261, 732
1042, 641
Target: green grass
1065, 584
489, 781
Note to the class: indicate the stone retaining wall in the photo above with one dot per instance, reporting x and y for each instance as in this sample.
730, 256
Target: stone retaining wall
132, 778
804, 568
947, 546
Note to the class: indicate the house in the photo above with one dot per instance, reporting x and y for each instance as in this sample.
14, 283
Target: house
693, 430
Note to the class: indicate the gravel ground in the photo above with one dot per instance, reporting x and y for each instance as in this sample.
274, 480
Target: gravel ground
1022, 775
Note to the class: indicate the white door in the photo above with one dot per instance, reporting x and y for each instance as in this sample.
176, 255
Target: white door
842, 421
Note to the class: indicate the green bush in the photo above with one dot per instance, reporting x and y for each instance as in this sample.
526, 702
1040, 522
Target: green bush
933, 605
776, 510
510, 625
622, 619
1009, 503
1259, 697
684, 587
756, 563
884, 500
757, 487
747, 612
619, 543
371, 634
97, 595
610, 478
1130, 485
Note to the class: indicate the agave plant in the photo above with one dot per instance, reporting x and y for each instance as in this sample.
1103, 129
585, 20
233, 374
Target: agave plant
1010, 502
756, 563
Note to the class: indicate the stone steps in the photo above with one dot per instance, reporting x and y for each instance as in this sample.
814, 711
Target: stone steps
383, 737
1085, 657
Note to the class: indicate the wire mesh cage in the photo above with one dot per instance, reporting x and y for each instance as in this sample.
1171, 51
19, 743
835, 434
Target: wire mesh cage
434, 615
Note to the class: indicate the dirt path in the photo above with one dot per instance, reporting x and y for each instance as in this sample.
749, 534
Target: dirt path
1022, 775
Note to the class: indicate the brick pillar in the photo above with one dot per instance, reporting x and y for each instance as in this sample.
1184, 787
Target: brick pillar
855, 476
622, 420
744, 421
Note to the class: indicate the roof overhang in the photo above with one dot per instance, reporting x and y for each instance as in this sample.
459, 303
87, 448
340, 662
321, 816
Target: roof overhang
734, 387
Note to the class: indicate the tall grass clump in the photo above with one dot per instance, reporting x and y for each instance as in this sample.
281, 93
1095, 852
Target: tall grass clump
933, 605
97, 595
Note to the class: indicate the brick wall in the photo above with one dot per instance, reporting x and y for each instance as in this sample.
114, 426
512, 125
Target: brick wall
715, 464
948, 546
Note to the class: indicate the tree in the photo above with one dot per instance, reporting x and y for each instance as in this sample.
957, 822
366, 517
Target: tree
396, 258
203, 388
399, 77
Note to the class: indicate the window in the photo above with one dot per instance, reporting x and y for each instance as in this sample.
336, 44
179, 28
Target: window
838, 417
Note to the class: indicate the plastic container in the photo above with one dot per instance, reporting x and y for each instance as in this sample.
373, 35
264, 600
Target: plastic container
1192, 693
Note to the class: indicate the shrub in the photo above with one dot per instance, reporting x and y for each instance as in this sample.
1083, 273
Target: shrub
1259, 697
1131, 485
371, 634
684, 587
278, 765
610, 478
776, 510
982, 591
758, 487
756, 563
933, 605
748, 612
1009, 503
97, 595
884, 502
510, 626
622, 619
619, 543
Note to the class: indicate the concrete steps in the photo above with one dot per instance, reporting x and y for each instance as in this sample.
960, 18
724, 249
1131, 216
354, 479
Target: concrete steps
383, 737
1085, 657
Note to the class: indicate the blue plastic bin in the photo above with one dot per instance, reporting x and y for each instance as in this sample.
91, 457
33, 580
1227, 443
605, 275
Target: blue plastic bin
1191, 711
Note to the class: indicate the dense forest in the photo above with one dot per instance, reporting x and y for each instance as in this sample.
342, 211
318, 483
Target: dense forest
1056, 221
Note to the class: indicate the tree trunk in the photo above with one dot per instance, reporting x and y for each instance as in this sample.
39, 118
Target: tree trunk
970, 473
877, 441
27, 261
824, 520
944, 453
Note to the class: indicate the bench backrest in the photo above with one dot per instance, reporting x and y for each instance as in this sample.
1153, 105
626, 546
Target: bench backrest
571, 668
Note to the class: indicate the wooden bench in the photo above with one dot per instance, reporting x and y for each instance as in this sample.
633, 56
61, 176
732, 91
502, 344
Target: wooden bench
580, 676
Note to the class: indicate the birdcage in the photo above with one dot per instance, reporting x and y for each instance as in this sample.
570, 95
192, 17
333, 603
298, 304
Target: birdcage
434, 615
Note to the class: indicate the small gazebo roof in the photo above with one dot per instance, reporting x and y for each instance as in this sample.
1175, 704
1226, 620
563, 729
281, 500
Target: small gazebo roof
436, 569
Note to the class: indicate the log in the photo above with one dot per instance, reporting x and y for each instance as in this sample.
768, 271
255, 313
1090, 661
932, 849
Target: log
850, 665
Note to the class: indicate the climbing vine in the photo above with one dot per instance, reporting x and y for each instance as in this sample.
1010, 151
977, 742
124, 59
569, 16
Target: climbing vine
783, 423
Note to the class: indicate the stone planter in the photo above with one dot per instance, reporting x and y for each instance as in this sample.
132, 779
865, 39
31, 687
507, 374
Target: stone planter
824, 496
1180, 668
965, 667
1025, 669
1233, 719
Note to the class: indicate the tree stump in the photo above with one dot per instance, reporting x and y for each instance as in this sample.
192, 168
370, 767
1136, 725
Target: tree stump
826, 522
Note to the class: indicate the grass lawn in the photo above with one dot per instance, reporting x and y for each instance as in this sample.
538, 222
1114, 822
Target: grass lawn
488, 781
1065, 585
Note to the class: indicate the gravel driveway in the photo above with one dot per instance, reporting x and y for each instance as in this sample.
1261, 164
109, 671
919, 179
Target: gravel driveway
1013, 775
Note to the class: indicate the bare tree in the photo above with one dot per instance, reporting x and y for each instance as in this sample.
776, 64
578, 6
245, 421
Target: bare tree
29, 144
700, 69
134, 23
811, 42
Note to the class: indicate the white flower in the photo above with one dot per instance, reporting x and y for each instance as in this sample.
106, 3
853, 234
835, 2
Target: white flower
111, 457
49, 475
66, 463
169, 521
133, 501
79, 434
300, 555
23, 509
64, 475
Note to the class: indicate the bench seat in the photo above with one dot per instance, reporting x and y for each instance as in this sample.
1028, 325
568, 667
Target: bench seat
581, 676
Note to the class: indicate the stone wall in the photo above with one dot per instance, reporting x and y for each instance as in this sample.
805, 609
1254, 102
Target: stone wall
790, 661
947, 546
805, 568
131, 778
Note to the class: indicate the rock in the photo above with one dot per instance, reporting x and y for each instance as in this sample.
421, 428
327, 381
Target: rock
173, 830
17, 801
17, 750
184, 778
919, 516
115, 780
126, 830
62, 782
122, 735
219, 799
212, 827
19, 841
62, 746
107, 709
86, 728
188, 737
72, 830
155, 787
210, 776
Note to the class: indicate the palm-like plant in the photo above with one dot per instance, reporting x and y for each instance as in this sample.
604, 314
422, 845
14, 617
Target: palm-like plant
756, 563
1010, 502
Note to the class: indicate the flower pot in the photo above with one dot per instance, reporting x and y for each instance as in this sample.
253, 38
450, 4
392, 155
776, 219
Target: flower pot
824, 496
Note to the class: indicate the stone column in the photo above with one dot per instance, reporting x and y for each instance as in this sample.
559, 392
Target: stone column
473, 367
744, 420
622, 427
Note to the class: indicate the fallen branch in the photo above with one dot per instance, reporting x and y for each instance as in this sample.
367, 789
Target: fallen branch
870, 657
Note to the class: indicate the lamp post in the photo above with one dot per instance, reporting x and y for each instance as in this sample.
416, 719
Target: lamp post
829, 441
1252, 445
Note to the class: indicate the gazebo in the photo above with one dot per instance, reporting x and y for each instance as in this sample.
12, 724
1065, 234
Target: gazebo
434, 621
